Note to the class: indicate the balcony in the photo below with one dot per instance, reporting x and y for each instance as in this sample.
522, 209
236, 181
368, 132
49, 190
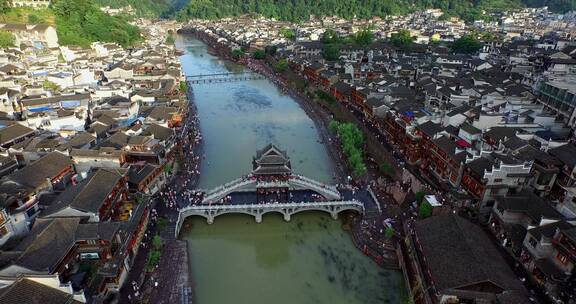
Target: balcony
565, 246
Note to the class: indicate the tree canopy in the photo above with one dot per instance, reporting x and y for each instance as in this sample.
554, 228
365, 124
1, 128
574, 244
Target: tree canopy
402, 39
81, 22
331, 52
281, 66
259, 54
364, 37
288, 33
299, 10
425, 210
6, 39
352, 141
467, 44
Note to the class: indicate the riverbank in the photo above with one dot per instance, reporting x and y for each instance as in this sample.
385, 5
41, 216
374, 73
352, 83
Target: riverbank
171, 283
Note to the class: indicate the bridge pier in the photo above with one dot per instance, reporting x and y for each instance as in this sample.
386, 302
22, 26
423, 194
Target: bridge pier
334, 214
287, 216
210, 220
258, 217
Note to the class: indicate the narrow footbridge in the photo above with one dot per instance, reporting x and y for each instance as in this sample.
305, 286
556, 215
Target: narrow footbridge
295, 182
223, 77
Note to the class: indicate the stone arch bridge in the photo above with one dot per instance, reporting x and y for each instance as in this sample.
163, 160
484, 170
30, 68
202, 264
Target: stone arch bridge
243, 193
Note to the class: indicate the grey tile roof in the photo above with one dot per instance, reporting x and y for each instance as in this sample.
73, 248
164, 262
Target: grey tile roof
26, 291
529, 204
47, 244
34, 175
13, 132
89, 194
460, 254
429, 128
566, 154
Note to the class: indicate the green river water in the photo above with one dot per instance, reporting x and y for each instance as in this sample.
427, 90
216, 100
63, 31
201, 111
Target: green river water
310, 259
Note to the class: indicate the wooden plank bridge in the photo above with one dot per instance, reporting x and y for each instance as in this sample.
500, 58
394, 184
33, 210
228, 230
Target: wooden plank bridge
223, 77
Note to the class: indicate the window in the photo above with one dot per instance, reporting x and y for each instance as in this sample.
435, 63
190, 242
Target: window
562, 258
490, 203
497, 180
532, 241
3, 231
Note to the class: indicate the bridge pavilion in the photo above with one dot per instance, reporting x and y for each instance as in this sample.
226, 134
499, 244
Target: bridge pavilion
271, 167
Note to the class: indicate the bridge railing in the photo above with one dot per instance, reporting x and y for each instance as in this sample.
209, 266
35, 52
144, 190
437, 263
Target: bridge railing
308, 181
221, 74
224, 186
204, 207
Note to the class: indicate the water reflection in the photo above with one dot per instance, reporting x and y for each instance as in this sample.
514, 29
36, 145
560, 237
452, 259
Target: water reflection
311, 258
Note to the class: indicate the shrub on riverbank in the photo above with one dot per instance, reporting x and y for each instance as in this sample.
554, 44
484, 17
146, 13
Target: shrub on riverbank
352, 141
386, 168
425, 210
155, 253
325, 97
259, 54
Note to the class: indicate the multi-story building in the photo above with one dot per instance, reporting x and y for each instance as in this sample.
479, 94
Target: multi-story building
513, 215
549, 254
559, 95
492, 174
21, 190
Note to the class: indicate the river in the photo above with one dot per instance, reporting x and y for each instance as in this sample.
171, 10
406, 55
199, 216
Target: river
308, 260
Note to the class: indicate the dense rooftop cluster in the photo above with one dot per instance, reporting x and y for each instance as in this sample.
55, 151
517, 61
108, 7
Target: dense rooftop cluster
493, 129
86, 135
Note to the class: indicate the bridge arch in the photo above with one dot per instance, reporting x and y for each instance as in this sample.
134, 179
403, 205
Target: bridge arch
210, 212
334, 212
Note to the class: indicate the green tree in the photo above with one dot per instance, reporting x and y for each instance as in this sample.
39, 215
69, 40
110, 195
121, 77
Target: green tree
364, 37
326, 97
389, 232
237, 53
425, 210
6, 39
330, 36
331, 52
50, 85
402, 39
4, 6
386, 168
80, 22
467, 44
34, 19
259, 54
352, 141
170, 40
183, 87
157, 242
288, 33
281, 66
